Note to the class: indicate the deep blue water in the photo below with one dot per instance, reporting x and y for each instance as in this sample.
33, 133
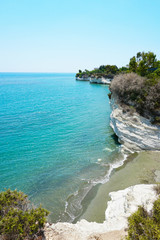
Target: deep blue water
55, 139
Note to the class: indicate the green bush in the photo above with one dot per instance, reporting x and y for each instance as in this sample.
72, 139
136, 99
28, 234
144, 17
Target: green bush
18, 220
143, 225
106, 71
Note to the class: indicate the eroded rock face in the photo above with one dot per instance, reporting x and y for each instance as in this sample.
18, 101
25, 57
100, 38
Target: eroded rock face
123, 203
83, 79
134, 132
100, 80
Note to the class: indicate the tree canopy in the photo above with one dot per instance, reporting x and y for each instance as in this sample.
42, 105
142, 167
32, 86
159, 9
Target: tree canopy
144, 63
107, 71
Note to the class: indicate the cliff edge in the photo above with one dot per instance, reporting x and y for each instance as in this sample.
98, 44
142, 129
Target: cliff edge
134, 131
123, 203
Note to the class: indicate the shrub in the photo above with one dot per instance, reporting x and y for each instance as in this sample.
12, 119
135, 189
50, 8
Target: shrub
140, 92
143, 225
125, 84
17, 219
157, 189
109, 95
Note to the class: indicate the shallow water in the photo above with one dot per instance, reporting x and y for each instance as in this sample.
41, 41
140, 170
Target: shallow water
138, 169
55, 139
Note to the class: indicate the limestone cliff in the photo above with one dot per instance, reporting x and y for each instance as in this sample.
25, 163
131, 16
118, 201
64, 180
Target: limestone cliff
123, 203
83, 78
134, 131
101, 80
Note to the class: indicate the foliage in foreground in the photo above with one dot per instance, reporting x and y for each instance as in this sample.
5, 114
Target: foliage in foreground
17, 220
143, 225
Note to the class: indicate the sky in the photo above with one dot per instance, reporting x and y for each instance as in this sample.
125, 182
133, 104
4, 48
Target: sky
68, 35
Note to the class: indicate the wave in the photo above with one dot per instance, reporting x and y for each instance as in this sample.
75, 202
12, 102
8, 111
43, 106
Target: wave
108, 149
74, 202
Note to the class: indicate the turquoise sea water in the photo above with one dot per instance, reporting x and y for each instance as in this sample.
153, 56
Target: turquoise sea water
55, 139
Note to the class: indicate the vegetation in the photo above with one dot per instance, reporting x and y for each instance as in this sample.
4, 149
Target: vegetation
17, 219
106, 71
140, 88
143, 225
136, 85
144, 64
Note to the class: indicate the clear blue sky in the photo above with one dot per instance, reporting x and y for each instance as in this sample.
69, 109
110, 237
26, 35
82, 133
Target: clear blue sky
68, 35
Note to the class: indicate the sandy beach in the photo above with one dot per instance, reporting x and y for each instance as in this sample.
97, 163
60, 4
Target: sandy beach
143, 167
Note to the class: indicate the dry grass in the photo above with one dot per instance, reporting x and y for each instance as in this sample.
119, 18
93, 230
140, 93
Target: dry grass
139, 92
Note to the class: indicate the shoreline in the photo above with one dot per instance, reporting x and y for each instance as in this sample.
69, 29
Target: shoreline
94, 203
89, 194
139, 168
123, 203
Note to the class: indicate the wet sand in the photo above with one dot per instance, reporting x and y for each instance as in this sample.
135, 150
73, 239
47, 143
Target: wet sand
143, 167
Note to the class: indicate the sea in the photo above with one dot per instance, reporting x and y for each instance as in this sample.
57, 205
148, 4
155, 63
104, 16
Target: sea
56, 143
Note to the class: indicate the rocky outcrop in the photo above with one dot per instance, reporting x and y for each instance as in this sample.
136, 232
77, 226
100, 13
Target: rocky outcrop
101, 80
123, 203
134, 131
83, 78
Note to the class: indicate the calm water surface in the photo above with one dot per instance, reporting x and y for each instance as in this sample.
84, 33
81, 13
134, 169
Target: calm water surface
55, 139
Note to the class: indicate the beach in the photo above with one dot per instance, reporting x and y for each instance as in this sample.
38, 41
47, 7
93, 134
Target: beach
142, 167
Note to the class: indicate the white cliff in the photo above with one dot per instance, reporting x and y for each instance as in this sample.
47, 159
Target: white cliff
101, 80
83, 78
123, 203
134, 132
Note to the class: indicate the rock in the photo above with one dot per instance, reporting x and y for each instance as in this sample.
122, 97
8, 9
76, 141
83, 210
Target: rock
113, 235
134, 131
101, 80
157, 176
123, 203
47, 225
83, 79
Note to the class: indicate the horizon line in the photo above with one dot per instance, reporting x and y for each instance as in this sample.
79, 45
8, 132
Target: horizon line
37, 72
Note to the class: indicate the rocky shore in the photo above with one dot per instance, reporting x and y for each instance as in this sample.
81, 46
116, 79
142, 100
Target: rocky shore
134, 131
122, 204
101, 80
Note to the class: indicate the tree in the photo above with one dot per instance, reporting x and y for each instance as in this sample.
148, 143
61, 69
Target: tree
142, 68
102, 68
138, 57
150, 59
123, 69
17, 219
143, 62
133, 64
